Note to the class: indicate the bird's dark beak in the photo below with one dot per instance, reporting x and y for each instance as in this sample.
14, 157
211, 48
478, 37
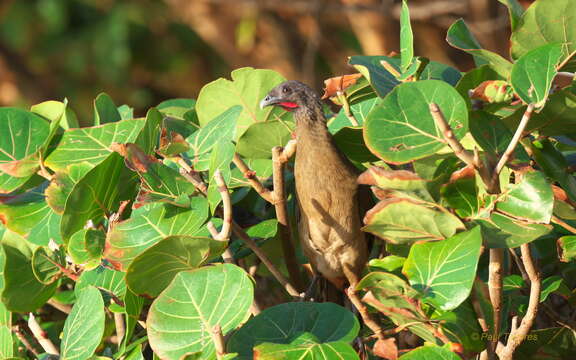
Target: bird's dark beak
268, 101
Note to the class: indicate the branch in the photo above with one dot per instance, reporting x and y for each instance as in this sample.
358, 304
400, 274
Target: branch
18, 332
279, 158
517, 335
564, 224
471, 159
120, 327
515, 139
40, 336
449, 137
238, 231
218, 339
352, 294
252, 179
224, 234
495, 291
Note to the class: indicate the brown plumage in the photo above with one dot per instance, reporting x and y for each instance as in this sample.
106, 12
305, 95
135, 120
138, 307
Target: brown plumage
326, 189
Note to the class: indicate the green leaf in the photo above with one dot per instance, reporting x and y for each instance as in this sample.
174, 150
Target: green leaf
52, 110
359, 110
181, 319
222, 128
97, 195
103, 278
444, 271
92, 145
493, 136
392, 179
25, 135
394, 298
62, 184
547, 22
430, 352
556, 118
148, 137
400, 128
502, 231
105, 111
532, 199
259, 139
84, 327
567, 248
462, 195
86, 246
6, 345
350, 141
460, 37
406, 38
247, 88
306, 350
461, 326
404, 221
515, 10
151, 271
388, 263
47, 264
262, 168
371, 68
181, 102
554, 165
475, 77
285, 323
22, 291
383, 82
126, 112
532, 74
553, 284
149, 225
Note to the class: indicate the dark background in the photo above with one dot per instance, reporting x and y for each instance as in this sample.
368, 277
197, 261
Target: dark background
144, 51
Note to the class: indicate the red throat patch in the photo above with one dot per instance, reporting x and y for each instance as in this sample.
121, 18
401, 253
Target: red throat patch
289, 106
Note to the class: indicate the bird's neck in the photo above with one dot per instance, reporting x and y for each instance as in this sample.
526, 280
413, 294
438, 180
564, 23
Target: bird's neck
311, 125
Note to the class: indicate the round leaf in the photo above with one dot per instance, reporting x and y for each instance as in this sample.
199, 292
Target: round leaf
444, 271
287, 323
154, 269
546, 22
533, 73
247, 88
181, 319
403, 221
532, 199
400, 128
23, 135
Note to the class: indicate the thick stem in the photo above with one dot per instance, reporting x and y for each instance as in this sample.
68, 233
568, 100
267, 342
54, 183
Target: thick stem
279, 196
219, 344
495, 291
518, 334
40, 336
18, 332
120, 326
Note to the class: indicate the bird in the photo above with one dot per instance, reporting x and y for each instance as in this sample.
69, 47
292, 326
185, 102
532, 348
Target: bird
327, 192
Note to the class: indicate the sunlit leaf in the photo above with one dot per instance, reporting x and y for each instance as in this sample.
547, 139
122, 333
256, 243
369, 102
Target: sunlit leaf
444, 270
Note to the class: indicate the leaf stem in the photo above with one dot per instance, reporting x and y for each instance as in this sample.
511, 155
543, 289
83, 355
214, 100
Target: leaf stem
512, 145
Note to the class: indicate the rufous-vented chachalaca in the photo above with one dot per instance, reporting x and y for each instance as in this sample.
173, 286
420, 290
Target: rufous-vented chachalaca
326, 189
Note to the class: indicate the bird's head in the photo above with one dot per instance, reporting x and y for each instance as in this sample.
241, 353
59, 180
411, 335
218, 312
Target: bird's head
291, 96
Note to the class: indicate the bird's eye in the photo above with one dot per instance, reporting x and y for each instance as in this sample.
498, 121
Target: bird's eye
285, 90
